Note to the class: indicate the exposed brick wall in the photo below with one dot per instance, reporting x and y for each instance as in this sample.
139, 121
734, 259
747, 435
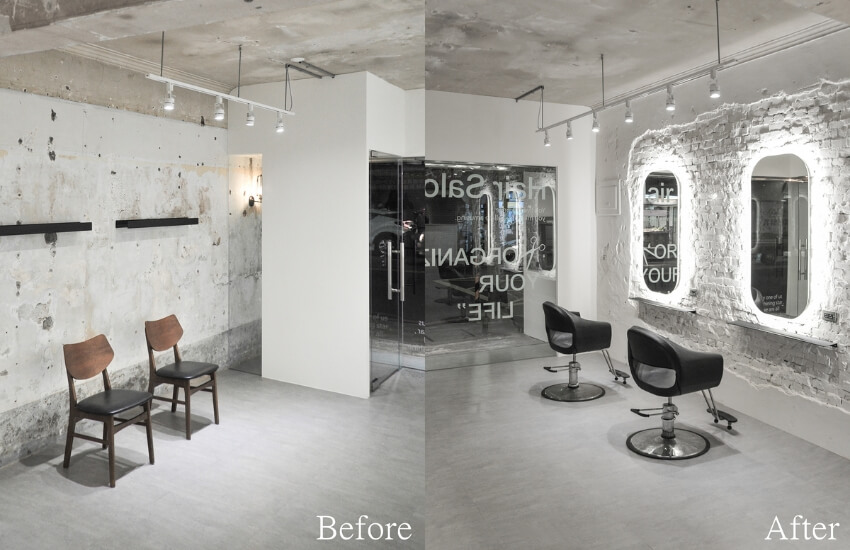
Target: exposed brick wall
713, 157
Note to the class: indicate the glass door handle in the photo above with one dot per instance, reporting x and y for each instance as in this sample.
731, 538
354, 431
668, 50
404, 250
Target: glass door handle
401, 270
390, 289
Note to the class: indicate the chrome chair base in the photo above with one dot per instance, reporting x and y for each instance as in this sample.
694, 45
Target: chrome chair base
582, 392
685, 444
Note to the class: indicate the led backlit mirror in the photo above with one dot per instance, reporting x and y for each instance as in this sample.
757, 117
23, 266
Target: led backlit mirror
661, 232
779, 252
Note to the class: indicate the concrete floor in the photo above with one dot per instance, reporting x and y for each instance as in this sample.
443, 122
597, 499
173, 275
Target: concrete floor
507, 469
282, 455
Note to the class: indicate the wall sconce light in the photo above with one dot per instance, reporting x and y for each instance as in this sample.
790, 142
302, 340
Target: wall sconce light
259, 189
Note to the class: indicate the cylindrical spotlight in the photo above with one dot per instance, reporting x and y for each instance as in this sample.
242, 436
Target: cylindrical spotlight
219, 108
249, 119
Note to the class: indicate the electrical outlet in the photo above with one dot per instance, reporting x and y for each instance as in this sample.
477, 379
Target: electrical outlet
831, 316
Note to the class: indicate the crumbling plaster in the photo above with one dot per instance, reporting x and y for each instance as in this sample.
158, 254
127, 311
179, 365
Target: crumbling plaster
66, 161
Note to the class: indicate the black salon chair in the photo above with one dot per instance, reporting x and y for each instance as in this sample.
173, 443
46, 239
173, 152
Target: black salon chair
664, 368
570, 334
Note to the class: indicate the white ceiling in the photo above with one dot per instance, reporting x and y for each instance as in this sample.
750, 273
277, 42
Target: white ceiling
488, 47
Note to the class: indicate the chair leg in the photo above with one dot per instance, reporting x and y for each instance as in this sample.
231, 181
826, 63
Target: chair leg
149, 430
174, 398
103, 445
188, 410
69, 440
110, 433
215, 396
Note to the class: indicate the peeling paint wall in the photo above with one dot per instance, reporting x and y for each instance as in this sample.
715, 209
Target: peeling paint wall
245, 225
62, 161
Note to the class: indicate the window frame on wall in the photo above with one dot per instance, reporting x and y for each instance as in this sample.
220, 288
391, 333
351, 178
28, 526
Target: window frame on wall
755, 248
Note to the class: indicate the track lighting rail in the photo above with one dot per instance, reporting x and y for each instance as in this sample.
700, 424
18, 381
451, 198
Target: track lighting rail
213, 93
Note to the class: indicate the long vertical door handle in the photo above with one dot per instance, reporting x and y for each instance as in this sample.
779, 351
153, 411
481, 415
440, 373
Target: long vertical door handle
401, 270
389, 269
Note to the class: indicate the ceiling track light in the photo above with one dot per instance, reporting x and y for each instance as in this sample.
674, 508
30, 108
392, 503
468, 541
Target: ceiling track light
279, 128
595, 127
713, 88
170, 83
168, 103
219, 108
630, 117
569, 131
671, 101
546, 142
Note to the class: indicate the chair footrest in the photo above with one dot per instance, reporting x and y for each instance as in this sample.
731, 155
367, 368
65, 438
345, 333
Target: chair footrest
639, 413
724, 416
555, 369
620, 374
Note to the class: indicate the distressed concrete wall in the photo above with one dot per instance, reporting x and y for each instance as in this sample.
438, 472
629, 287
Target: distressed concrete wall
65, 161
67, 76
245, 266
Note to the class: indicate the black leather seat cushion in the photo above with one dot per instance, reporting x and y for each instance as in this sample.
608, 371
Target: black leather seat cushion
186, 370
694, 370
111, 402
585, 335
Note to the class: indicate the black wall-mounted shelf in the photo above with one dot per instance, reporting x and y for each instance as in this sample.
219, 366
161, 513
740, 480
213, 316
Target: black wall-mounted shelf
647, 301
791, 335
154, 222
43, 228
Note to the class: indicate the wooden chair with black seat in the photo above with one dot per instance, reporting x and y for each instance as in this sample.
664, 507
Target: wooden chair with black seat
162, 335
86, 360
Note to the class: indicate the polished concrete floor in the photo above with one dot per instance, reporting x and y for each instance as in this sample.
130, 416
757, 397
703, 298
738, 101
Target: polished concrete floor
507, 469
281, 456
503, 469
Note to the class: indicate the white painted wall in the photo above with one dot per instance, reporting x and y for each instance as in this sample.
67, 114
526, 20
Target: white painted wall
316, 223
415, 122
788, 71
471, 128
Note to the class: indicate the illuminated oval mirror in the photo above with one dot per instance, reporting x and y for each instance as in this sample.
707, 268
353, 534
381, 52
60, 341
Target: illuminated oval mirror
779, 251
661, 232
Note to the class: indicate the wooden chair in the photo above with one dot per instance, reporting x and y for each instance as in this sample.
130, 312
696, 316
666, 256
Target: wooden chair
86, 360
164, 334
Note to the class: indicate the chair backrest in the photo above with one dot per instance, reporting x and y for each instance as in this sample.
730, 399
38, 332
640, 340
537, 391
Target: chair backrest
88, 359
558, 318
648, 349
164, 333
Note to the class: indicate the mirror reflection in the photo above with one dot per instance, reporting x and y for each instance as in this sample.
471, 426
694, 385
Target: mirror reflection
779, 257
661, 232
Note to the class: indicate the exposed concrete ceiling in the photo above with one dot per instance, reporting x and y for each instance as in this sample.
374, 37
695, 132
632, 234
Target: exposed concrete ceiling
489, 47
385, 37
507, 48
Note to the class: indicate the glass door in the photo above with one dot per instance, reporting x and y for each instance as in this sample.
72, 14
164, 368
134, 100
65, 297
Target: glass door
396, 265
